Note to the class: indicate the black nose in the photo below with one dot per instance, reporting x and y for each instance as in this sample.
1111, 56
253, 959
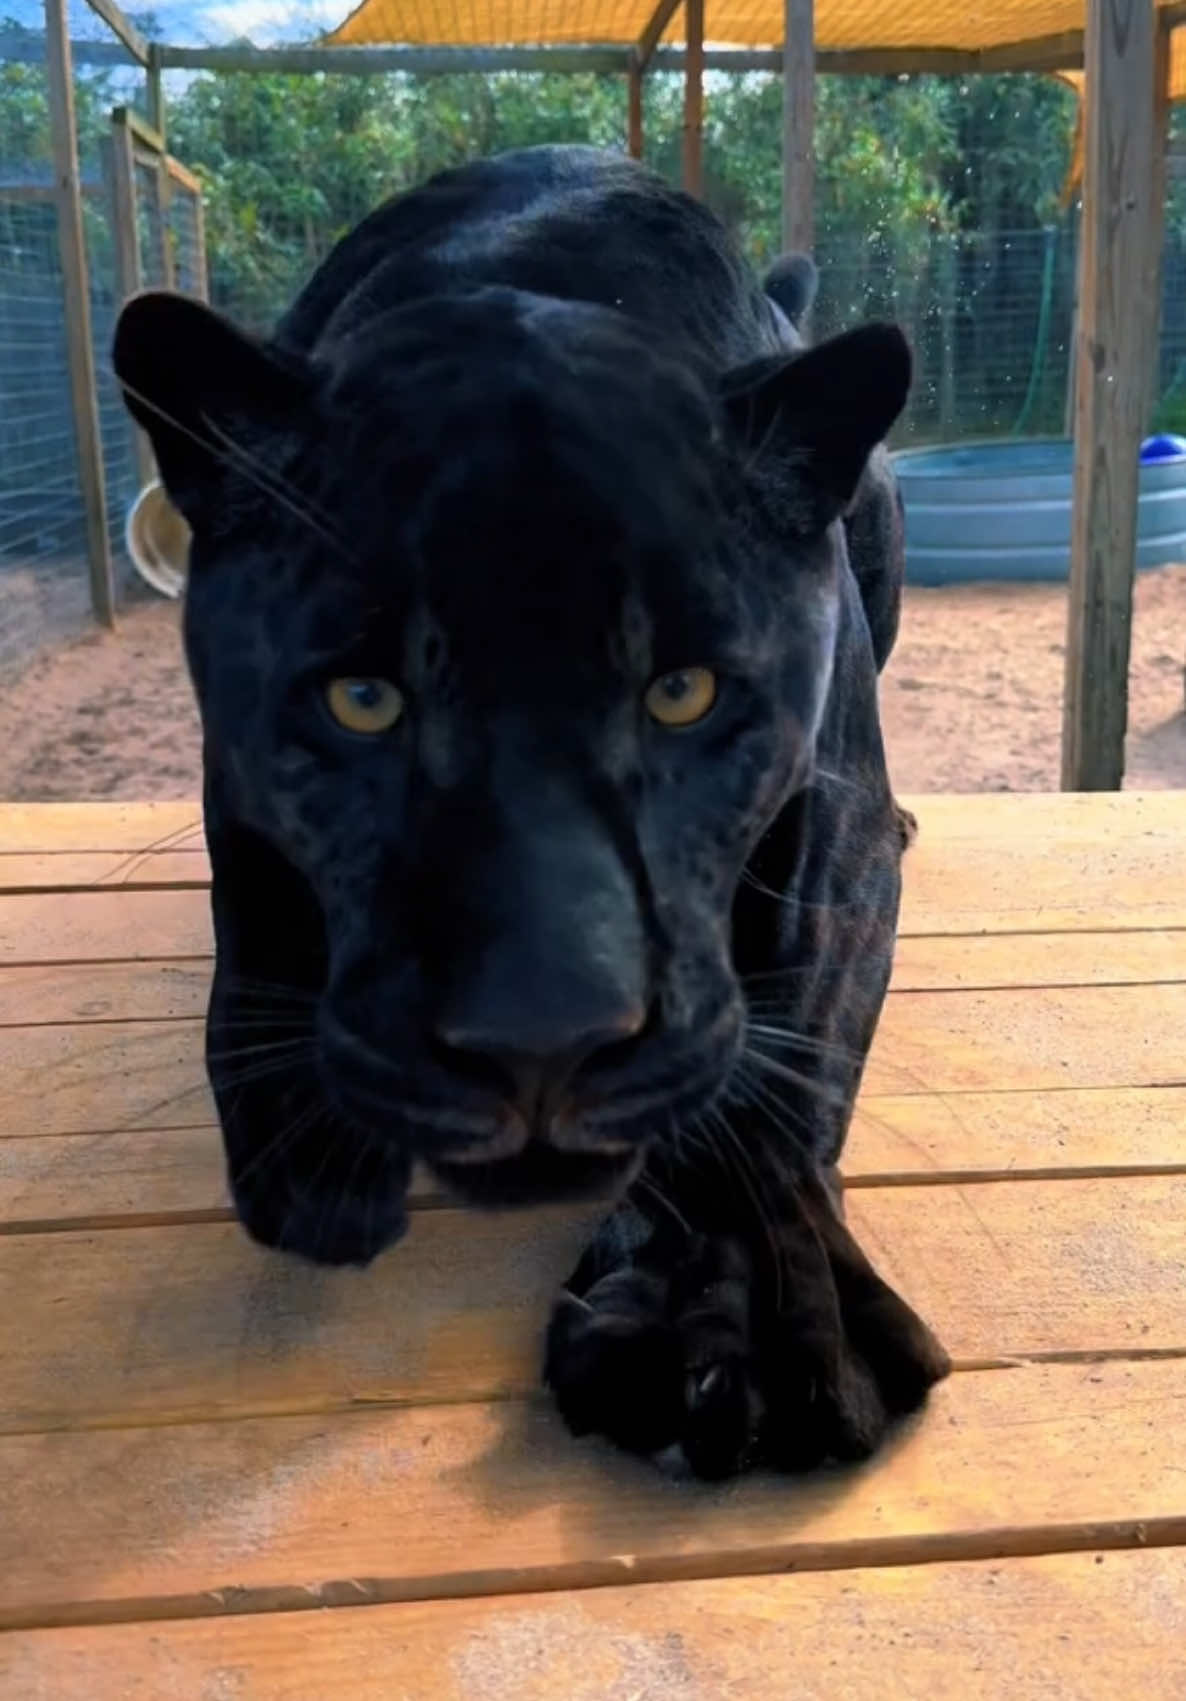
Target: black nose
533, 1061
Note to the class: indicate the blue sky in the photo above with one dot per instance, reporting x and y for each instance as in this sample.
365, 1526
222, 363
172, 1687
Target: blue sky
205, 21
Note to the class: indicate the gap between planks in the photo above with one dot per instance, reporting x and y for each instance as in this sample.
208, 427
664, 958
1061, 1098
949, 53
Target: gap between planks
876, 1552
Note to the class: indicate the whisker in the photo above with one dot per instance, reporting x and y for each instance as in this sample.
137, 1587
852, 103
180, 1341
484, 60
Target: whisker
293, 1129
793, 1076
797, 1041
269, 481
752, 1182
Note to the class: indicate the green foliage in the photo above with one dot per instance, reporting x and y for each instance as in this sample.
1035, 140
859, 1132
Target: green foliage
289, 163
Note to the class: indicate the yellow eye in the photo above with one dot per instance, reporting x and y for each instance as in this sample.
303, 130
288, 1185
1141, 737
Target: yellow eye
364, 705
683, 698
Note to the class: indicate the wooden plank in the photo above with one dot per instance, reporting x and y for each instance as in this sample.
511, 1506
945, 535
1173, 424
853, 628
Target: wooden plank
150, 1177
167, 1324
1082, 1626
27, 827
693, 149
67, 871
1110, 389
90, 1076
144, 906
177, 1174
1032, 1037
103, 992
384, 1505
104, 926
103, 1075
1096, 1131
1023, 863
172, 1324
798, 127
112, 1179
164, 989
122, 28
979, 962
1040, 870
77, 308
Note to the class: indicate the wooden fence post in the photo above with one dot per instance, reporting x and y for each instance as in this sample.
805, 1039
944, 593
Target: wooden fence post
694, 98
1111, 385
77, 307
798, 127
121, 177
634, 106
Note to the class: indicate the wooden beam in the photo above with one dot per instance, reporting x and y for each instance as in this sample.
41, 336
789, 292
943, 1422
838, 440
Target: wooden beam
652, 32
117, 153
1061, 52
154, 92
121, 27
798, 126
634, 107
694, 97
146, 134
77, 308
375, 61
1111, 386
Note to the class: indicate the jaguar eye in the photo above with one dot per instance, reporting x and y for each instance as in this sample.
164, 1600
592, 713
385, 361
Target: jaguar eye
368, 706
682, 698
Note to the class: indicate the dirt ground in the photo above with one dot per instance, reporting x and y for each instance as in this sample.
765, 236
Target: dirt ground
971, 699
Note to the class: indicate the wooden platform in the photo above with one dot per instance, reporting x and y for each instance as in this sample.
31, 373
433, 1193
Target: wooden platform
203, 1448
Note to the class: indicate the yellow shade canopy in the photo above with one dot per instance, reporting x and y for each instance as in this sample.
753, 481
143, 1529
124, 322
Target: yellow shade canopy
840, 25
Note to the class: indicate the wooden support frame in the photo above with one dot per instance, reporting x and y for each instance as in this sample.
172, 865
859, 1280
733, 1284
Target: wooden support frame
77, 308
798, 126
1113, 345
634, 112
154, 92
122, 28
119, 161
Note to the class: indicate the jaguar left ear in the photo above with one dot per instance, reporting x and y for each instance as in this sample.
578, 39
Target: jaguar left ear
823, 411
198, 385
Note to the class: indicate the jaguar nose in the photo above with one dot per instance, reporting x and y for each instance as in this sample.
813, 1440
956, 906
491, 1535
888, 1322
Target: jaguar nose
533, 1066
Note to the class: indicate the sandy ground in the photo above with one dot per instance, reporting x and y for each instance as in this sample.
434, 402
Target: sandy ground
971, 699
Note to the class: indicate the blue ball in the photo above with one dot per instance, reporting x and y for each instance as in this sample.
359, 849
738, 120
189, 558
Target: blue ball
1162, 446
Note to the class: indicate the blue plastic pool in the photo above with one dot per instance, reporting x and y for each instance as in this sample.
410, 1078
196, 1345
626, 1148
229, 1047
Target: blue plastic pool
1002, 510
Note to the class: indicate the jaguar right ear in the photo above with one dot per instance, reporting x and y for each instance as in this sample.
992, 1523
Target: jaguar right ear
200, 388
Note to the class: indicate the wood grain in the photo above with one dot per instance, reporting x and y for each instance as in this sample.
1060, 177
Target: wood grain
1111, 386
85, 1077
165, 1323
1081, 1626
64, 993
164, 988
1030, 863
57, 827
1014, 1134
461, 1500
157, 1174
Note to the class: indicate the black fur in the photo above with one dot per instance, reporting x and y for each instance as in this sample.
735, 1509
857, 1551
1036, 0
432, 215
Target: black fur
531, 437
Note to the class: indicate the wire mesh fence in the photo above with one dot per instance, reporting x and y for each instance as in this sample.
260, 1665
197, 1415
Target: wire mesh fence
924, 215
